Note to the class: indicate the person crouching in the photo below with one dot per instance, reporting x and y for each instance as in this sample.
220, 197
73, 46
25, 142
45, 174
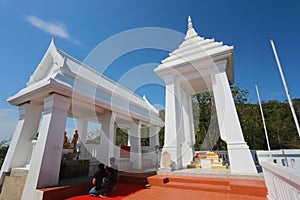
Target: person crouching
99, 182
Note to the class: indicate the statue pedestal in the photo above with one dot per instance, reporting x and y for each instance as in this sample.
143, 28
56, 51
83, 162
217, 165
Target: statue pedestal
74, 168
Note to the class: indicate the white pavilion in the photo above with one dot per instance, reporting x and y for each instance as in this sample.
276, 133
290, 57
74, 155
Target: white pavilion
62, 87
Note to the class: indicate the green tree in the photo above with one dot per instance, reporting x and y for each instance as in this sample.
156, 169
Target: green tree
93, 136
161, 134
202, 115
121, 137
3, 150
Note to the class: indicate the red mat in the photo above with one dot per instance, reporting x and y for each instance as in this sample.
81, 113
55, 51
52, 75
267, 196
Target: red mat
123, 190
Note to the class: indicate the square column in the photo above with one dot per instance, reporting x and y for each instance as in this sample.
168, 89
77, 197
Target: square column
241, 161
154, 143
135, 145
82, 125
188, 144
108, 137
174, 135
20, 145
45, 166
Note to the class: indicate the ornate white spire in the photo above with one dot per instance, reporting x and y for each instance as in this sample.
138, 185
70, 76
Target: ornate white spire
191, 31
190, 24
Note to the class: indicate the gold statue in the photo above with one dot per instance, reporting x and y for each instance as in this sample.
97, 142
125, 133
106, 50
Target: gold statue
66, 143
74, 141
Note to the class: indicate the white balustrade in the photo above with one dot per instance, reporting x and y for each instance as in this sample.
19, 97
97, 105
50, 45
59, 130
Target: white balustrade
283, 183
283, 157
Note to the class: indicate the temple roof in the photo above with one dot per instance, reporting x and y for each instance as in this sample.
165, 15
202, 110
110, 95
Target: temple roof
195, 48
60, 73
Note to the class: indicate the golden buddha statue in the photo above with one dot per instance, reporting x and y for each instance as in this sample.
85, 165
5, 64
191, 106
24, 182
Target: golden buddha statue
66, 143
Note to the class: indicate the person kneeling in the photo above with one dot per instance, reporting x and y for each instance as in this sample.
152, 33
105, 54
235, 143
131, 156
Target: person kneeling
112, 174
100, 182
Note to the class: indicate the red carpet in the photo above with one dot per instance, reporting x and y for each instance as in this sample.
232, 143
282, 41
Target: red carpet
123, 190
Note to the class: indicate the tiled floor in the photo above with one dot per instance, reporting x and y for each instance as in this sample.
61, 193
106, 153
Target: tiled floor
213, 173
162, 193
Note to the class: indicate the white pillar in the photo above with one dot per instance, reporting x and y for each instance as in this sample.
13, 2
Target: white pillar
107, 142
173, 122
191, 121
154, 141
25, 132
82, 125
45, 166
135, 145
239, 154
188, 144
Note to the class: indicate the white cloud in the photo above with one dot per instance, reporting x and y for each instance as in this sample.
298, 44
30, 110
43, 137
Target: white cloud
55, 28
8, 122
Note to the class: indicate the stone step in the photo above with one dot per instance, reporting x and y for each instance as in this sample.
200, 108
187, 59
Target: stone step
136, 178
199, 187
255, 188
249, 187
63, 192
211, 181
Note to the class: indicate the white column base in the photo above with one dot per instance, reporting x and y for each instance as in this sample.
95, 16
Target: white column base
176, 156
240, 158
187, 154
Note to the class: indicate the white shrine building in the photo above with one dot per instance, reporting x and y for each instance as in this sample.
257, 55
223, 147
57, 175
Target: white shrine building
200, 65
62, 87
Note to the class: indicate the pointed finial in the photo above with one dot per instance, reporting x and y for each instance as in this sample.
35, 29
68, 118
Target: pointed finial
191, 31
52, 43
190, 24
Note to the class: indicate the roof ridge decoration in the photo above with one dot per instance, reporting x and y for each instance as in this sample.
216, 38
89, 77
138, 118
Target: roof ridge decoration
196, 49
50, 62
191, 31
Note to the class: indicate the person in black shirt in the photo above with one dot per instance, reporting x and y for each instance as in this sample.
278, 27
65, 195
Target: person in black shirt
100, 182
113, 174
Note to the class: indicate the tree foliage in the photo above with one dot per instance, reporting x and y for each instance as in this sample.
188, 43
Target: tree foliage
121, 137
93, 136
3, 150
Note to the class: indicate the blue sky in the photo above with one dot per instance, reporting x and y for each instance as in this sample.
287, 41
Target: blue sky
79, 26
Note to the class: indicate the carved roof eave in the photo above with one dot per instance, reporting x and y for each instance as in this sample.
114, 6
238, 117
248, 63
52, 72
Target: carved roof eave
183, 66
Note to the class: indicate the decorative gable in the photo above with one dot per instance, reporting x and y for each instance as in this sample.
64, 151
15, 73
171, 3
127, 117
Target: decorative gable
49, 65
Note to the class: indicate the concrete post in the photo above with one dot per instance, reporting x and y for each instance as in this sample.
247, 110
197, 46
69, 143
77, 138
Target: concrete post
173, 125
188, 144
82, 125
154, 141
239, 154
45, 166
135, 145
108, 137
25, 132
